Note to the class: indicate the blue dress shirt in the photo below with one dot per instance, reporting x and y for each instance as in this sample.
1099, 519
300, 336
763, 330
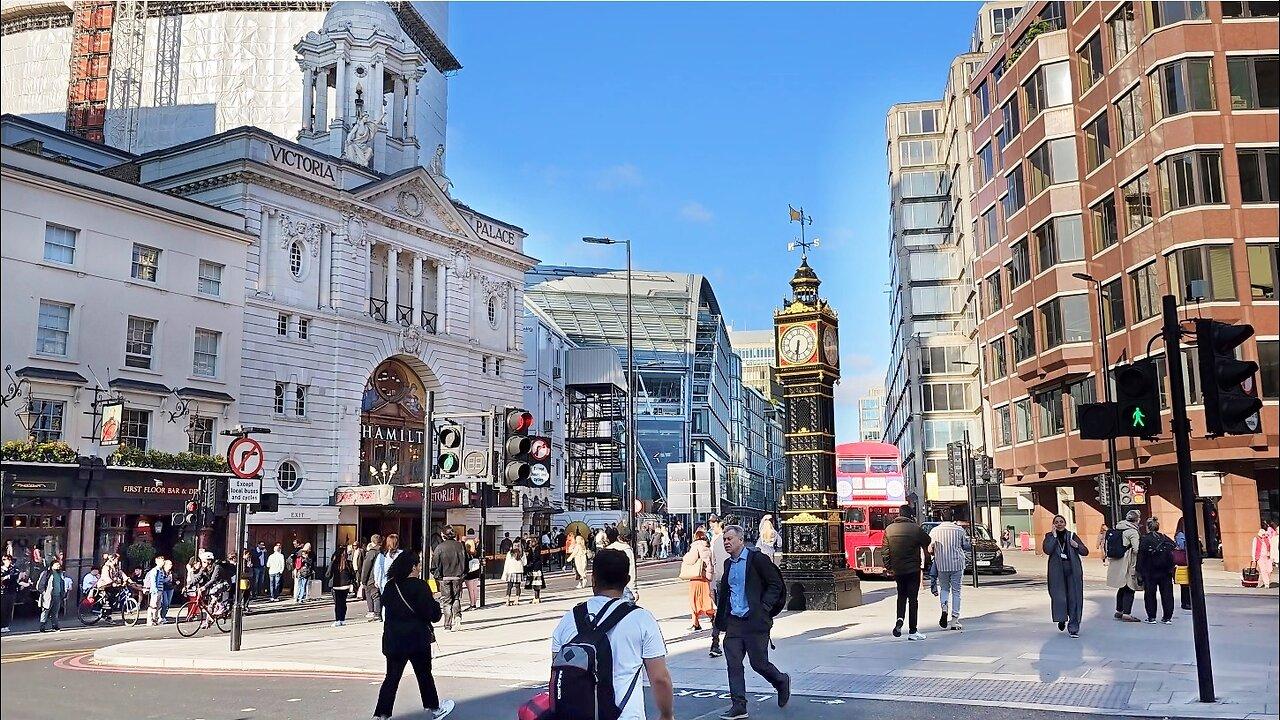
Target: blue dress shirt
738, 606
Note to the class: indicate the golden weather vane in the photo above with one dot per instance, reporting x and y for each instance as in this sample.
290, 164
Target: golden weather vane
798, 216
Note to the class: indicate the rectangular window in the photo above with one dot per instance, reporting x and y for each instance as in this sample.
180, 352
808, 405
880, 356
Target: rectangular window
1060, 240
200, 441
1097, 142
300, 400
1103, 218
1081, 392
1124, 33
205, 362
139, 342
1262, 271
1202, 273
917, 152
1091, 67
1011, 123
925, 215
46, 419
986, 165
1259, 175
1049, 86
146, 263
1137, 203
1022, 415
1191, 178
1182, 86
917, 121
1065, 320
1052, 163
922, 183
984, 100
1020, 265
1269, 368
1113, 306
1263, 8
1004, 426
282, 324
53, 328
304, 328
1167, 13
999, 358
278, 399
1255, 82
60, 244
1016, 194
1024, 338
1132, 111
135, 428
1146, 292
945, 397
1001, 19
1049, 408
994, 294
991, 227
210, 279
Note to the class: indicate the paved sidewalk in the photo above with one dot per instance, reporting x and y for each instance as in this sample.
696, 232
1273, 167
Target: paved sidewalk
1009, 655
1217, 581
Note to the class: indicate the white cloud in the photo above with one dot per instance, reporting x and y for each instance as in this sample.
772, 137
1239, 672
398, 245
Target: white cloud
859, 373
696, 212
620, 176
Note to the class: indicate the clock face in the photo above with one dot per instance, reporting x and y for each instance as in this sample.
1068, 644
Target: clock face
798, 344
831, 347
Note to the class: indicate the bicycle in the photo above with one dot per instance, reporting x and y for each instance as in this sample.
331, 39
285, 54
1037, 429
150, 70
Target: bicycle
98, 605
197, 613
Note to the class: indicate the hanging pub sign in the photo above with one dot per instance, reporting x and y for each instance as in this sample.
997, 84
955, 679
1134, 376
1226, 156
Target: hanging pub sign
109, 434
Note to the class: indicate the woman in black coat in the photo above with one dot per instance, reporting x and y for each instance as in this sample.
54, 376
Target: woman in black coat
408, 610
1066, 575
342, 579
535, 563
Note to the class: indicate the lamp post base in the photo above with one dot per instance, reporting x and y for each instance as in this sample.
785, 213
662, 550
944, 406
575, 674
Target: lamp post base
822, 589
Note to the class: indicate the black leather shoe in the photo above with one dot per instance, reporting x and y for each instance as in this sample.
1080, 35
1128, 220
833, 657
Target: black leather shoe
784, 692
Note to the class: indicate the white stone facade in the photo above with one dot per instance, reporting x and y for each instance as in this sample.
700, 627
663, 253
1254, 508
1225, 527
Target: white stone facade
545, 347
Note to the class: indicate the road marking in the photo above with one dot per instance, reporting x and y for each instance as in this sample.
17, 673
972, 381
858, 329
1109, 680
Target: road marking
248, 709
40, 655
294, 700
335, 691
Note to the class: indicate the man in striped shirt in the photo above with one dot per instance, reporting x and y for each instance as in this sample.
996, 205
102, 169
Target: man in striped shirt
949, 547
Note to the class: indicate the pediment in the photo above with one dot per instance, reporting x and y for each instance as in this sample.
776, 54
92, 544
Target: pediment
416, 197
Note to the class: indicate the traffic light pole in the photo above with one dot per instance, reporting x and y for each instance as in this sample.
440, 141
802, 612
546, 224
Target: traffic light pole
1182, 446
1113, 470
428, 464
970, 486
242, 543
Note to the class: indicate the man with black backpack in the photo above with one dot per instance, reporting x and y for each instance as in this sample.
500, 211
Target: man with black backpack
1155, 567
600, 648
751, 594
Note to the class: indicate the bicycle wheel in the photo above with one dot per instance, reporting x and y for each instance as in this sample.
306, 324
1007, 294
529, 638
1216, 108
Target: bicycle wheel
189, 619
90, 611
131, 611
224, 622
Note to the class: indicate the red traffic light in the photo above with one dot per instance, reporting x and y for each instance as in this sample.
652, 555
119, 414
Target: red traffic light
519, 421
191, 506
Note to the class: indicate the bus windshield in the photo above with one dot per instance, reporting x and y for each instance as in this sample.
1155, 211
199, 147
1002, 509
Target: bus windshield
855, 515
884, 467
852, 465
881, 517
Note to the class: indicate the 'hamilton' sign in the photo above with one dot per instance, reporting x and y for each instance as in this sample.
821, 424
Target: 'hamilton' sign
392, 433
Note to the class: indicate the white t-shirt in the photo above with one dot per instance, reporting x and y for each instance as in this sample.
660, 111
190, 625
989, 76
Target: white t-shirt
636, 639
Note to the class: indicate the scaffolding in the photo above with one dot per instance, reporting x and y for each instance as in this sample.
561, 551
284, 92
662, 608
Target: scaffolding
168, 53
129, 41
91, 24
596, 414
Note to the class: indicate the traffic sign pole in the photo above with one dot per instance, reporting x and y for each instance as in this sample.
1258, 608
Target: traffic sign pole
246, 459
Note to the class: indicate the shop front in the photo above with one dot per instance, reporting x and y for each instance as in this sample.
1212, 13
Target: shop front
317, 525
386, 509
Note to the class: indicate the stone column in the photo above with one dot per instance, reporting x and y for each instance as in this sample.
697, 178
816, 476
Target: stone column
416, 300
308, 97
393, 265
322, 101
341, 109
326, 267
397, 107
1238, 514
266, 239
442, 298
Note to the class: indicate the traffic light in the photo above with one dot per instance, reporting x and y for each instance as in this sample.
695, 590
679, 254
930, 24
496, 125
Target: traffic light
1138, 399
190, 513
1137, 492
540, 461
1097, 421
1102, 490
450, 447
1126, 493
1231, 404
516, 444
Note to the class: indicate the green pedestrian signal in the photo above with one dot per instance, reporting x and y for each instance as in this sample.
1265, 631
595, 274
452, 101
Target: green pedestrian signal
1138, 418
1138, 396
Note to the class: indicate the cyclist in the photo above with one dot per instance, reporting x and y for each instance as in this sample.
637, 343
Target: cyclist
217, 582
110, 584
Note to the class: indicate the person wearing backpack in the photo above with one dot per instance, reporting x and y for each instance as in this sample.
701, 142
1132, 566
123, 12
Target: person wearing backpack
751, 594
1155, 567
601, 647
1122, 571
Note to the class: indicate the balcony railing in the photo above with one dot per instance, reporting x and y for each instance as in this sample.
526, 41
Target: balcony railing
429, 321
378, 309
404, 315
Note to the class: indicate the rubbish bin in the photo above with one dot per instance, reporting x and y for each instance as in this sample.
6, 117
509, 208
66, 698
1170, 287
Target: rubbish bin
1024, 541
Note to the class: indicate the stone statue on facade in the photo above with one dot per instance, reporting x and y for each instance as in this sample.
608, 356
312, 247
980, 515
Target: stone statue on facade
359, 145
436, 169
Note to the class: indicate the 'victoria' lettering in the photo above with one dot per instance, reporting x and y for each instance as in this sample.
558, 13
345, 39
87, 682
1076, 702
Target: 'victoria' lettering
305, 163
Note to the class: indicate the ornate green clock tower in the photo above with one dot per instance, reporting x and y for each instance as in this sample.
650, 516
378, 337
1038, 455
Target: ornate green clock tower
808, 352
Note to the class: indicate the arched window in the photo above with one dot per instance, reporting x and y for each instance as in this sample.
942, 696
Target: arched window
288, 478
295, 259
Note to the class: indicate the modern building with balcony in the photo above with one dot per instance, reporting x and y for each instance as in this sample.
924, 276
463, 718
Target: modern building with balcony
871, 415
1127, 151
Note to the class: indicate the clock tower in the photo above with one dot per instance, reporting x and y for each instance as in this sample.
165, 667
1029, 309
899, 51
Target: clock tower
808, 352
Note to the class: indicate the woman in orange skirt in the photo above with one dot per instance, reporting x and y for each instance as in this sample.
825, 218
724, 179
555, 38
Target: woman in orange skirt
696, 568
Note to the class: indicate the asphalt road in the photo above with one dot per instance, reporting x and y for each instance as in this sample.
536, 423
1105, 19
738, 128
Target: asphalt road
49, 677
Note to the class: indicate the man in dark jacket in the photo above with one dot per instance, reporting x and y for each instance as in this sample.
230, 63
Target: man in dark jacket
372, 597
448, 566
749, 588
1155, 567
905, 542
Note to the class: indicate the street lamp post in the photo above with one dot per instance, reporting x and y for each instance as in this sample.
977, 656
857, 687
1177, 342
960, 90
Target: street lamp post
630, 491
1112, 468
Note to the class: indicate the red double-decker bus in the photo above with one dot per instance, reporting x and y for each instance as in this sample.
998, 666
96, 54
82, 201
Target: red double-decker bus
870, 489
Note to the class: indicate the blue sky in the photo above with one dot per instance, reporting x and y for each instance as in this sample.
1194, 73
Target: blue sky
689, 128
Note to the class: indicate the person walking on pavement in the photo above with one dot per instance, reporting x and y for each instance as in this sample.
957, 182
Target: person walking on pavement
718, 557
642, 541
904, 542
696, 567
410, 609
750, 587
1261, 556
449, 568
366, 579
391, 551
1066, 575
513, 573
342, 579
534, 566
303, 569
950, 546
260, 556
770, 541
1155, 567
153, 584
617, 543
8, 591
1180, 562
1122, 571
167, 582
578, 557
1101, 545
51, 595
275, 571
472, 577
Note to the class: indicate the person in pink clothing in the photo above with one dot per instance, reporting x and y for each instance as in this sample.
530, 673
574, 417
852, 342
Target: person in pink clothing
1261, 557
